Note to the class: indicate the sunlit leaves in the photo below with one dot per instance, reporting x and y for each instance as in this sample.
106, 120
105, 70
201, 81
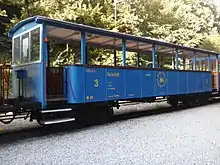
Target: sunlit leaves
212, 43
187, 22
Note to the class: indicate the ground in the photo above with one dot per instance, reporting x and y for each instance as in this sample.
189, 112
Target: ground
188, 136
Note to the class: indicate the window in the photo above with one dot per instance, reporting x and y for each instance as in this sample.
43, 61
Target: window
27, 47
16, 52
35, 45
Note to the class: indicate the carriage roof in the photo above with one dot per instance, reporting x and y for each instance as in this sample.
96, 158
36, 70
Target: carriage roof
70, 32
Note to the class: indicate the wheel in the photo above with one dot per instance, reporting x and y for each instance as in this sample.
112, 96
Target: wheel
186, 101
7, 113
7, 117
105, 114
110, 113
173, 101
94, 114
203, 99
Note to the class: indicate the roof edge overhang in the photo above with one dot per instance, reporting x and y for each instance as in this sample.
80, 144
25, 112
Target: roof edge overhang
20, 24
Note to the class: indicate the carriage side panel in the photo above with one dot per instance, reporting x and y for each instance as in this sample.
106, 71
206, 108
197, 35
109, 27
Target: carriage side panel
148, 83
207, 81
95, 84
33, 84
75, 86
133, 83
190, 82
115, 84
173, 82
182, 83
198, 82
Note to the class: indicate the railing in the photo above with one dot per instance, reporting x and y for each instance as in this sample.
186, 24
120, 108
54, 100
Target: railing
55, 82
6, 83
214, 80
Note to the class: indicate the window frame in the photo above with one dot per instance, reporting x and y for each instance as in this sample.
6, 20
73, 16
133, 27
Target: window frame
20, 37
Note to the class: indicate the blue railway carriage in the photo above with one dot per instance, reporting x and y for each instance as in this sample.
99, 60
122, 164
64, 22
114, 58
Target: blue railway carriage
83, 91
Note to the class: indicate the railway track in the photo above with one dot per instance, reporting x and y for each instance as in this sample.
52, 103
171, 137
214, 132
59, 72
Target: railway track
8, 134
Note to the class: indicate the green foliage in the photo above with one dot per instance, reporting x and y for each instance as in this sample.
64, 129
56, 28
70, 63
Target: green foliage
177, 21
212, 42
194, 23
3, 13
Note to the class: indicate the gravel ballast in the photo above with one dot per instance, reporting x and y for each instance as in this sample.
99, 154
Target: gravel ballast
186, 137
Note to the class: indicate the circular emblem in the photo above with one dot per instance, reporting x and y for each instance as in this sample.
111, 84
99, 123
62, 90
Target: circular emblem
161, 79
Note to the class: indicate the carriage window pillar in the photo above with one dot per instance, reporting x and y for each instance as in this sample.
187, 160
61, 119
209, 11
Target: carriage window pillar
217, 72
194, 61
83, 48
115, 58
184, 63
138, 59
216, 65
123, 52
176, 59
153, 56
209, 66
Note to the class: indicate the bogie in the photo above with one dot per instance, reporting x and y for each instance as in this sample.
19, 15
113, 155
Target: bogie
173, 101
94, 114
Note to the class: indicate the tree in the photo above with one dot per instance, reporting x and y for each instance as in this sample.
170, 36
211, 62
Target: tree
185, 22
212, 43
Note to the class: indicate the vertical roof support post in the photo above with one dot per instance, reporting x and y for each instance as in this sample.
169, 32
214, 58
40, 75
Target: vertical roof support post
44, 58
115, 58
173, 62
217, 72
138, 59
83, 48
153, 56
194, 61
199, 64
202, 61
209, 66
184, 63
48, 54
176, 59
123, 52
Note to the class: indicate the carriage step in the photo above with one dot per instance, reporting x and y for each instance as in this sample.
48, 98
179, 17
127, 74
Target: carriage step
56, 121
56, 110
56, 99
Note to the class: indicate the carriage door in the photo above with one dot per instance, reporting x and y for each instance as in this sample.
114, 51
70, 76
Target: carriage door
55, 83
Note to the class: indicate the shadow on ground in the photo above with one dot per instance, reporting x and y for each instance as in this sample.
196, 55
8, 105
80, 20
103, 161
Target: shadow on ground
38, 131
